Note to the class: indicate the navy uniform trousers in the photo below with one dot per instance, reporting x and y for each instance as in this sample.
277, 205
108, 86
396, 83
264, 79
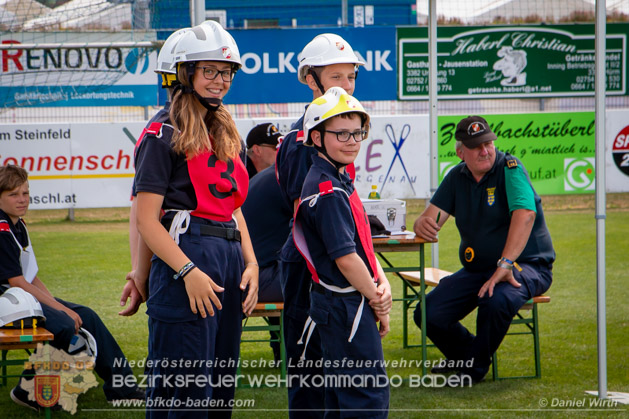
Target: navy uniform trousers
307, 401
110, 361
215, 338
362, 389
457, 295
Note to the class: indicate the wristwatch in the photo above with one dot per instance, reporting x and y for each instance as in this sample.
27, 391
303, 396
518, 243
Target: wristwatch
505, 263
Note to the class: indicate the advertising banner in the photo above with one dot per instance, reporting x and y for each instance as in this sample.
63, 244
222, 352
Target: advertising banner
395, 157
73, 165
91, 165
617, 157
81, 76
510, 62
270, 63
557, 149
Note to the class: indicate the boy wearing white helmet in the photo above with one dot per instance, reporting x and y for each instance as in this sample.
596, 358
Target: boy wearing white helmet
332, 233
64, 319
326, 61
204, 274
137, 247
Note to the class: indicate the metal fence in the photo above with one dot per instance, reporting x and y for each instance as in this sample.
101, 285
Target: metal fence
133, 22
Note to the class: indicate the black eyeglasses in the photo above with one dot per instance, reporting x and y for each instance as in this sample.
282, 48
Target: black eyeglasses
343, 136
210, 73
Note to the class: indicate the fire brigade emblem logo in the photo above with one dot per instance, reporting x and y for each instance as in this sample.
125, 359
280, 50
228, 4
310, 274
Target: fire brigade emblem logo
491, 196
469, 254
47, 388
227, 53
340, 46
475, 128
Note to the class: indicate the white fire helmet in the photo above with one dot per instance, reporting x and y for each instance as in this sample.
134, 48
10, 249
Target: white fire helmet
19, 308
334, 102
325, 49
83, 342
166, 57
207, 42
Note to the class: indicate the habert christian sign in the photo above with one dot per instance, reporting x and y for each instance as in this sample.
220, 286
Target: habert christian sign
511, 62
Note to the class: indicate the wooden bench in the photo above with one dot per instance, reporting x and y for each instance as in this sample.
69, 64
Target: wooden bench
432, 276
27, 339
266, 310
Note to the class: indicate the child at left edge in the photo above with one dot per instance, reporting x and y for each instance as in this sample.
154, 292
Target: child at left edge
18, 268
331, 231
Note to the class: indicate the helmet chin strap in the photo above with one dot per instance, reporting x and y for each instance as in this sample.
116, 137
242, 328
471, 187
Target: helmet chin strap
321, 149
209, 103
317, 81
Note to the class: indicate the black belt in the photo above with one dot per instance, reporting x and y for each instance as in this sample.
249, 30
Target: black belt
320, 289
222, 232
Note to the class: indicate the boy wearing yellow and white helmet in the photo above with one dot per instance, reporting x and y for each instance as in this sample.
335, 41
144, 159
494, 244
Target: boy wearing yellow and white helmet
326, 61
332, 232
335, 102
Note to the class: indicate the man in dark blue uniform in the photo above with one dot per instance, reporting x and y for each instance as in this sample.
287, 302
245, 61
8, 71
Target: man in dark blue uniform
268, 218
327, 61
506, 250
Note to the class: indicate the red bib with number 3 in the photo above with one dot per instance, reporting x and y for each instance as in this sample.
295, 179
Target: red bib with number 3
220, 187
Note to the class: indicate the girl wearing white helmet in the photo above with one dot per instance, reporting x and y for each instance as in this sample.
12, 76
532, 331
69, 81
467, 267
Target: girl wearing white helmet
204, 266
332, 233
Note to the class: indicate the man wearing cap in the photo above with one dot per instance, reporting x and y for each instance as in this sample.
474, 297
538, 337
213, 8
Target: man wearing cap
262, 143
506, 250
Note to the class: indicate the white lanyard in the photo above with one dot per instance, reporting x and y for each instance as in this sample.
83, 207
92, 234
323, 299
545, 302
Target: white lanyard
27, 258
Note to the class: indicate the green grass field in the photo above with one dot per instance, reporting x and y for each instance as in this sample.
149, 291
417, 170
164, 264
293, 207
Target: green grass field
85, 261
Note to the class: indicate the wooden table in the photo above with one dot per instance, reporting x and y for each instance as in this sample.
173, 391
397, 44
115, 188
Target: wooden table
409, 243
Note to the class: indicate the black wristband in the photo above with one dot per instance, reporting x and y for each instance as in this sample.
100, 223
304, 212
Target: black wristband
184, 270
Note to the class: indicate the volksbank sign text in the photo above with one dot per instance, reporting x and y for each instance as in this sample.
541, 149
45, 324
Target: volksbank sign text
270, 64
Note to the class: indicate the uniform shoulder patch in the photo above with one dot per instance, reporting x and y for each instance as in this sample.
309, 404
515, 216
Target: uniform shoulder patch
511, 163
154, 128
4, 226
300, 136
326, 187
